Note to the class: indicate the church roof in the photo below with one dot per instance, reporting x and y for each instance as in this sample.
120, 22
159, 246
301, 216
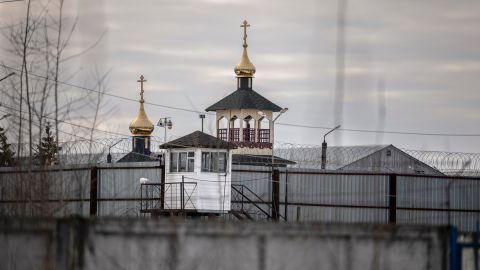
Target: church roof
260, 160
137, 157
200, 140
357, 158
244, 99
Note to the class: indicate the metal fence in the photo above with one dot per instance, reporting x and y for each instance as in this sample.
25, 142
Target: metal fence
305, 195
315, 195
168, 197
102, 190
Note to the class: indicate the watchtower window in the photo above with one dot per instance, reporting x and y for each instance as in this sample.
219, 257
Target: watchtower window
182, 161
214, 162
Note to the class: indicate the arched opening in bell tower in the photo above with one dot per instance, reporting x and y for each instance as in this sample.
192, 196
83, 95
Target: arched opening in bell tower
234, 128
222, 130
264, 130
248, 129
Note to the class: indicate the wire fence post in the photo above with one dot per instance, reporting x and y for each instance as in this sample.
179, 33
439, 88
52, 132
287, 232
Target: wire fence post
286, 196
392, 199
93, 191
182, 187
162, 185
275, 194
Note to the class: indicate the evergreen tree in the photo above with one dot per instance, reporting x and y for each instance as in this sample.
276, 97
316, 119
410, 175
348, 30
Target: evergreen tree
6, 154
48, 149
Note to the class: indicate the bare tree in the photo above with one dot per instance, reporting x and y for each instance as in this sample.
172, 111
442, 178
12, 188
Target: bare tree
40, 43
37, 47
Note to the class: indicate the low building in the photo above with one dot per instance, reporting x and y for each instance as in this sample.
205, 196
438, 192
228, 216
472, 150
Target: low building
198, 171
366, 158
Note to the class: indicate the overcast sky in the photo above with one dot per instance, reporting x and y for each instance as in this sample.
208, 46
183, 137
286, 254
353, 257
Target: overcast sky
426, 55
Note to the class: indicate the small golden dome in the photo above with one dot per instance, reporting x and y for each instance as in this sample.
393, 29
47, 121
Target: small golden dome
245, 68
141, 125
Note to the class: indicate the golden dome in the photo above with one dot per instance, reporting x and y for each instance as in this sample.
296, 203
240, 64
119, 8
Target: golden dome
141, 125
245, 68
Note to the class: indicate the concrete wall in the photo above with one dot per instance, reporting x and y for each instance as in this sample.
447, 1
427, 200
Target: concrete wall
153, 244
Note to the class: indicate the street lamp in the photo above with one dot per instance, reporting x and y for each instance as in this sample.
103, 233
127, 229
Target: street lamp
202, 116
324, 147
109, 156
165, 122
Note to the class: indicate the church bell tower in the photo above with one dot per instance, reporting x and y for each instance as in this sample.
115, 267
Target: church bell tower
244, 117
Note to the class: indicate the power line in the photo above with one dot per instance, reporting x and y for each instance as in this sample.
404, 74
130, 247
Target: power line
108, 94
69, 123
382, 131
8, 1
282, 124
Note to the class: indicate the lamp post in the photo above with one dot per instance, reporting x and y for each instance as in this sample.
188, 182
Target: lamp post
202, 116
165, 122
109, 156
324, 148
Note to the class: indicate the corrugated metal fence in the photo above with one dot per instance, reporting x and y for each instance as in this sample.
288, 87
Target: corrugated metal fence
315, 195
305, 195
103, 190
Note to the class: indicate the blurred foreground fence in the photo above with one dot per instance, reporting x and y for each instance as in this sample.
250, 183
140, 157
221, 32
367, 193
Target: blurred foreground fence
303, 195
152, 244
102, 190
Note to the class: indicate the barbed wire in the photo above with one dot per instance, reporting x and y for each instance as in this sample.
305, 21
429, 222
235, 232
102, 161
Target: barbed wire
345, 158
379, 158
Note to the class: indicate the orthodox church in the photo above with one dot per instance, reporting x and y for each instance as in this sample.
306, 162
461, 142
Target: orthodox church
141, 128
244, 119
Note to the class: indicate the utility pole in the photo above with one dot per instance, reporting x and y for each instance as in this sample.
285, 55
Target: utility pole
202, 116
324, 148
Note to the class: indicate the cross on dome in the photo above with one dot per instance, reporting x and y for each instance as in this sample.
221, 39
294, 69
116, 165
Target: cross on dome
245, 69
245, 25
141, 81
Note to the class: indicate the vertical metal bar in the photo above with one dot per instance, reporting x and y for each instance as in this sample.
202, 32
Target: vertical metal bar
324, 156
298, 213
141, 198
182, 187
454, 259
275, 194
475, 249
93, 191
286, 196
392, 199
162, 184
